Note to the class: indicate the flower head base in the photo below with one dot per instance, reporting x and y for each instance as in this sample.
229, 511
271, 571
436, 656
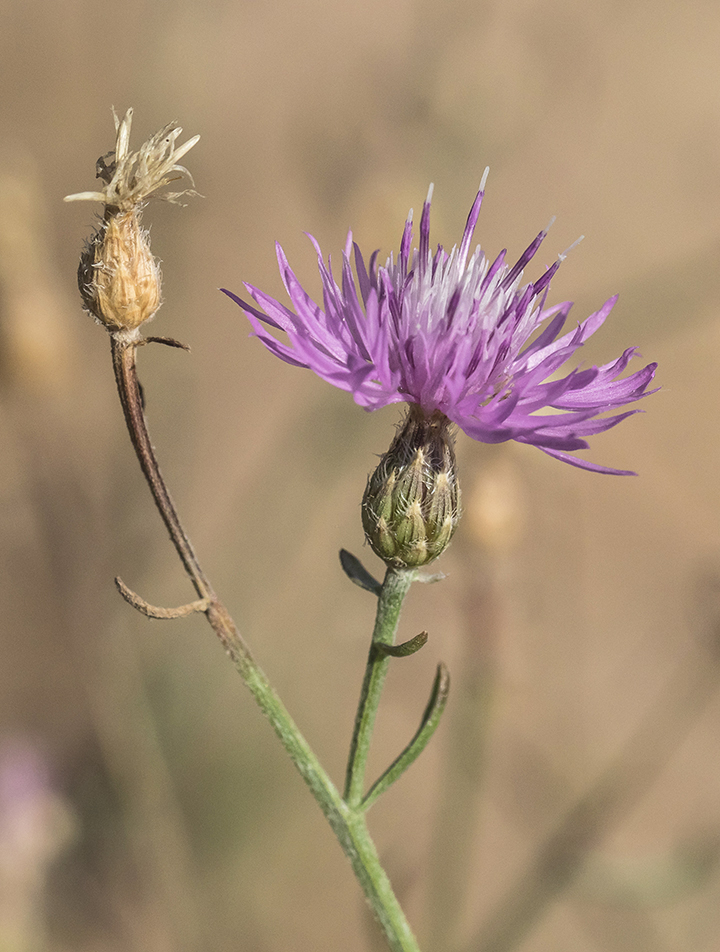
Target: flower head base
411, 505
454, 334
118, 277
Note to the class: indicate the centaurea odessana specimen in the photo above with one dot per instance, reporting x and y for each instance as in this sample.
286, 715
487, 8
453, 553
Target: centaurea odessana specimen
120, 285
453, 334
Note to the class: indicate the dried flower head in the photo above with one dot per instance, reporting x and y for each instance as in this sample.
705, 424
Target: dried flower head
453, 334
118, 277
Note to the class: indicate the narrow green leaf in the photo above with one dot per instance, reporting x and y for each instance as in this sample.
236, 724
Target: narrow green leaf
357, 573
430, 721
405, 649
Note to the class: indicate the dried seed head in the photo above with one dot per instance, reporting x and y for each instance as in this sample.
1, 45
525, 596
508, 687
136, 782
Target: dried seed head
411, 505
118, 277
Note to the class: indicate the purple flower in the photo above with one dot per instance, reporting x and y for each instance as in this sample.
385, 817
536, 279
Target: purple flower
456, 334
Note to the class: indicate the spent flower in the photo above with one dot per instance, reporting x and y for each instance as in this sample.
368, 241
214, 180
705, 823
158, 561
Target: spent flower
118, 277
454, 334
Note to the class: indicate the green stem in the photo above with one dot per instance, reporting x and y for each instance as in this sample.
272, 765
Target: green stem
394, 589
347, 823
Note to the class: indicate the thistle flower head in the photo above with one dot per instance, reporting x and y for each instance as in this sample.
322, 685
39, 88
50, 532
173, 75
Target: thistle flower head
118, 277
455, 334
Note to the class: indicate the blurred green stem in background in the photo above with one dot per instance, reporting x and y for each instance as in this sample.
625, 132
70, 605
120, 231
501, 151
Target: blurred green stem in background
346, 816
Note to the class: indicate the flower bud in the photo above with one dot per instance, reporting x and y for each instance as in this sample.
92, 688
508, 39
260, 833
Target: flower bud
411, 505
118, 277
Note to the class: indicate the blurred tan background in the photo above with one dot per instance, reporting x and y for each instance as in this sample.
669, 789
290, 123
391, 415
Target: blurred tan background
570, 802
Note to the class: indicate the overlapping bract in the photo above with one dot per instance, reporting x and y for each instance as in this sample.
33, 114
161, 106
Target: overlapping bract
453, 333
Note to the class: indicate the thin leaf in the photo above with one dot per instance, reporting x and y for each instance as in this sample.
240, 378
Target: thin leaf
357, 573
404, 650
430, 721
